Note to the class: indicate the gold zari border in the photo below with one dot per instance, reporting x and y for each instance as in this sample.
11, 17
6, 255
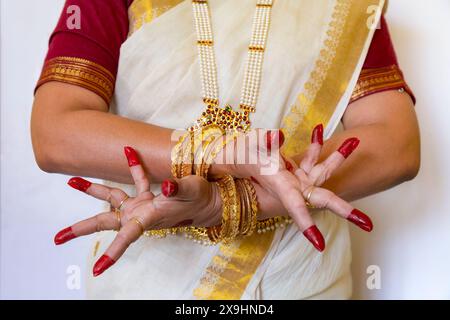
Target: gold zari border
141, 12
80, 72
347, 37
379, 79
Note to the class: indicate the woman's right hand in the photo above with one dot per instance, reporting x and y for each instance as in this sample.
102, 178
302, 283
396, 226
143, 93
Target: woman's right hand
295, 187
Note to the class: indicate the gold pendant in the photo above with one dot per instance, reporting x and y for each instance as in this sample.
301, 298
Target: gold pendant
226, 118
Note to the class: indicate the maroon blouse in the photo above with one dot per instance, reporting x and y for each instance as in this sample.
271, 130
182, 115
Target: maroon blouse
88, 56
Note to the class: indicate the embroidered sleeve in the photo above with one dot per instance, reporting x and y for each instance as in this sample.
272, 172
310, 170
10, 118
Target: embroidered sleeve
85, 46
381, 71
80, 72
375, 80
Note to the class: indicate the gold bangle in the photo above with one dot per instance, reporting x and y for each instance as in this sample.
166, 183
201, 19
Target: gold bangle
204, 141
182, 156
252, 206
229, 229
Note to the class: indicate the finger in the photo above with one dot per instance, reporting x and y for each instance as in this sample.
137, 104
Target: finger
313, 153
169, 188
112, 195
274, 139
129, 233
289, 164
141, 180
292, 200
187, 188
323, 198
100, 222
321, 173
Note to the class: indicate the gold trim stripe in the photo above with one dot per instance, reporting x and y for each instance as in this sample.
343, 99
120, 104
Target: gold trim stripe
80, 72
378, 79
331, 75
231, 270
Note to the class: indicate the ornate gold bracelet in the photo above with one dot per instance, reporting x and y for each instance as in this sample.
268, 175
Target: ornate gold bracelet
229, 229
182, 156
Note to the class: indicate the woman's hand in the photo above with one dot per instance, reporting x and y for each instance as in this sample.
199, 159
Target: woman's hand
298, 187
189, 201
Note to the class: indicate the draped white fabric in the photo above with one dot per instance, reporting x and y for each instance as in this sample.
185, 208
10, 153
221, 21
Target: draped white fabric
159, 83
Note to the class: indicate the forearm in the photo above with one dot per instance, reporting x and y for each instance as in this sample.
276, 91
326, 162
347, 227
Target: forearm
90, 142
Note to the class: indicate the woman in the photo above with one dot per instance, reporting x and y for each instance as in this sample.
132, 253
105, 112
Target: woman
308, 63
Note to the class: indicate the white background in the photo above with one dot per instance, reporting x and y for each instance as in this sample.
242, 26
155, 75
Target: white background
411, 241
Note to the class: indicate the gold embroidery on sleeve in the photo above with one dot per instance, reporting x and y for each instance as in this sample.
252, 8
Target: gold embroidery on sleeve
80, 72
378, 79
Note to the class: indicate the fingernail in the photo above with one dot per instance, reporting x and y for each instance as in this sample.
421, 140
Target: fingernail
315, 237
348, 147
79, 184
289, 166
132, 157
361, 220
64, 236
273, 137
317, 135
102, 264
184, 223
169, 188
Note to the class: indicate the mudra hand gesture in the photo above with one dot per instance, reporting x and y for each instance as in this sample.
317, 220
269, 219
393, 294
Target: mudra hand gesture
195, 201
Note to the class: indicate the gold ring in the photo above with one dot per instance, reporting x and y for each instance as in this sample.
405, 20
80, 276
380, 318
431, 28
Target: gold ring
140, 224
122, 202
118, 217
308, 198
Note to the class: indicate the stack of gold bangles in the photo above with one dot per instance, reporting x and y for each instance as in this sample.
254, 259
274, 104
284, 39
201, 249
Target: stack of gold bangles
193, 154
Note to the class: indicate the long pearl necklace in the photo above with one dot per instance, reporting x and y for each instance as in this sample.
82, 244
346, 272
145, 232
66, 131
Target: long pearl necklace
227, 118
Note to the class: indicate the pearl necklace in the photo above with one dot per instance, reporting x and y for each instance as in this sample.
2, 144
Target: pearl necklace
227, 118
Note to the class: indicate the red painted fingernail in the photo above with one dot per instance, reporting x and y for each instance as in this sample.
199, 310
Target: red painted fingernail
254, 180
79, 184
348, 147
169, 188
184, 223
361, 220
102, 264
289, 166
64, 236
132, 157
274, 136
315, 237
317, 135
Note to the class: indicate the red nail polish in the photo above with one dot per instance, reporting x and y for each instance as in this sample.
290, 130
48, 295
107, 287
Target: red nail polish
348, 147
79, 184
64, 236
317, 135
272, 137
289, 166
169, 188
361, 220
315, 237
102, 264
184, 223
132, 157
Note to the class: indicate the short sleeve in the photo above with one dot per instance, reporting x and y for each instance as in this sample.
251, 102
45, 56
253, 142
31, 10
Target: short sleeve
381, 70
84, 48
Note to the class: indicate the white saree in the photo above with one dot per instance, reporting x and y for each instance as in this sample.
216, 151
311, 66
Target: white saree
315, 52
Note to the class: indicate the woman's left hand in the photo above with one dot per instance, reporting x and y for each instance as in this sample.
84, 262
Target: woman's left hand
189, 201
